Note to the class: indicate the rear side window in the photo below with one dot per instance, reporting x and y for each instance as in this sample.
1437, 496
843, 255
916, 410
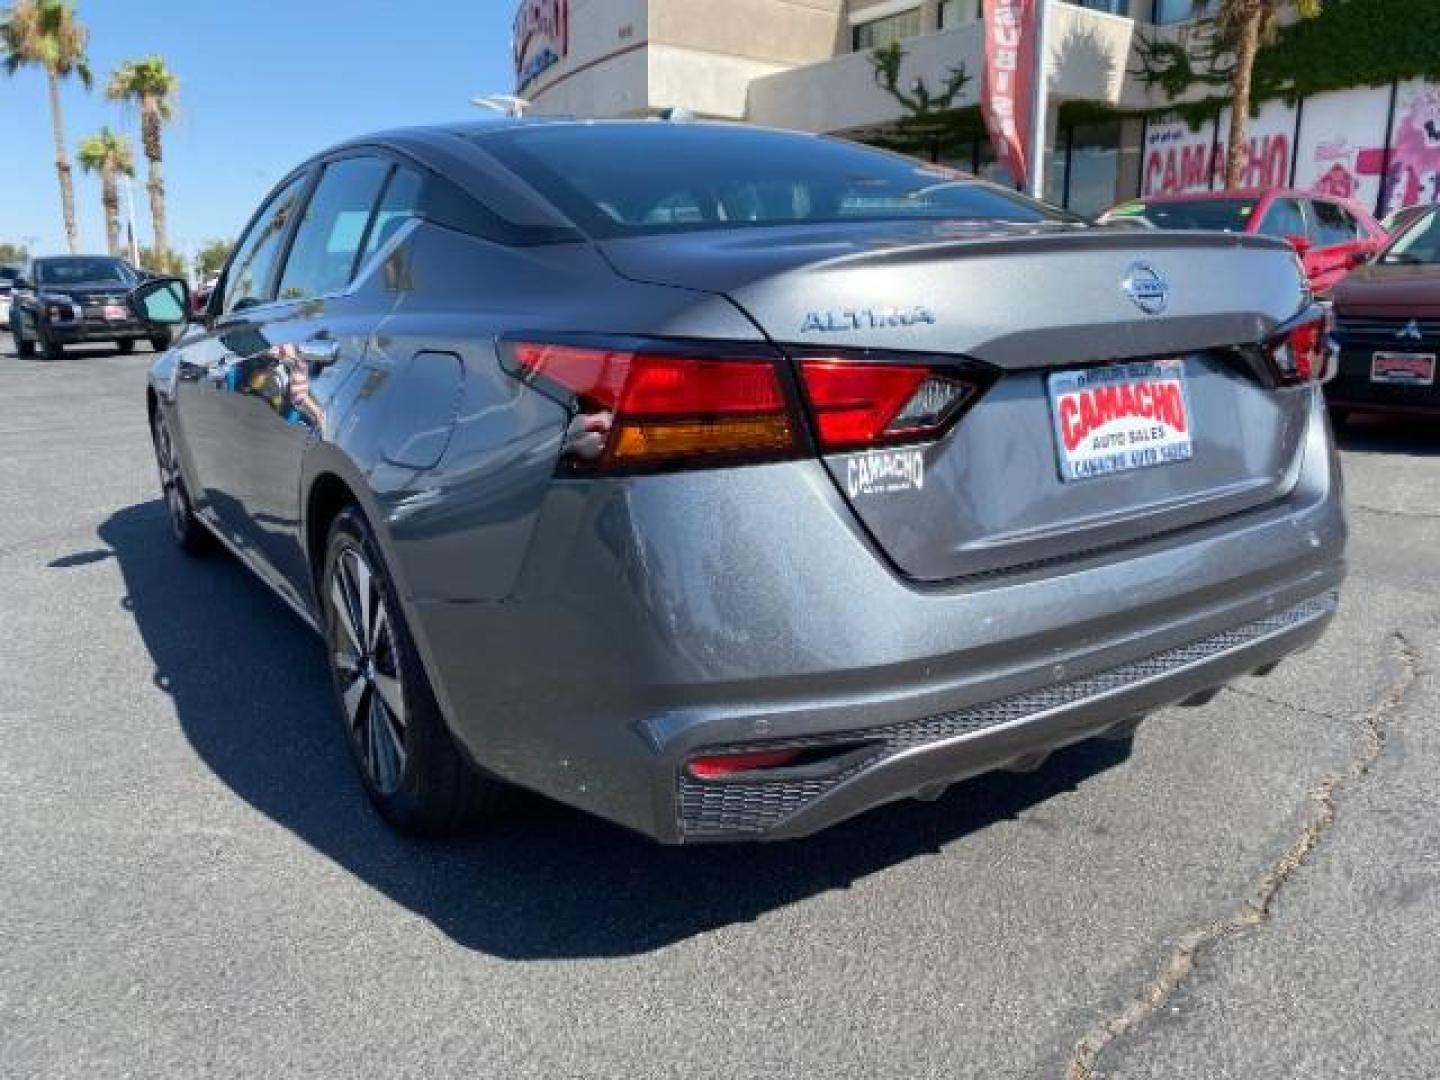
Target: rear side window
399, 203
1284, 219
1333, 225
327, 244
247, 281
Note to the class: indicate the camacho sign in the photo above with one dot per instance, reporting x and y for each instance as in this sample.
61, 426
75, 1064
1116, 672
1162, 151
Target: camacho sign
542, 38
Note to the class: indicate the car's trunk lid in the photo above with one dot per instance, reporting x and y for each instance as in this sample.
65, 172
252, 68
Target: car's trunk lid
1030, 303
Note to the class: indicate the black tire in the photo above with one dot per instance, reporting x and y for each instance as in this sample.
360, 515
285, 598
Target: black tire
161, 342
192, 536
23, 346
125, 345
51, 350
410, 765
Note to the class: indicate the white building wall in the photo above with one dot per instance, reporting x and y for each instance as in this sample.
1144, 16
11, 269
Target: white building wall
1090, 52
707, 84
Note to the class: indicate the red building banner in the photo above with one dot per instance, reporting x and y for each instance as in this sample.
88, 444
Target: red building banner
1007, 87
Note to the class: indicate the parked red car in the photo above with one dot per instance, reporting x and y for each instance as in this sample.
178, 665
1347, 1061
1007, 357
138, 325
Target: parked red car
1332, 236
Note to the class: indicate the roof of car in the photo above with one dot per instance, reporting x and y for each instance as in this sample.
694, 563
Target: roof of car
82, 256
1225, 193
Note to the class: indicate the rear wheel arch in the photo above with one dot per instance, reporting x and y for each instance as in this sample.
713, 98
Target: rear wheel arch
328, 497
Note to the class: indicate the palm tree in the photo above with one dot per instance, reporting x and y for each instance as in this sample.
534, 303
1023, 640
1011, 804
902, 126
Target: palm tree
110, 155
150, 85
1247, 23
46, 34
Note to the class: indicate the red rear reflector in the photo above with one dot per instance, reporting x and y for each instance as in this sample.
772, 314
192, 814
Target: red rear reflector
642, 409
709, 768
858, 405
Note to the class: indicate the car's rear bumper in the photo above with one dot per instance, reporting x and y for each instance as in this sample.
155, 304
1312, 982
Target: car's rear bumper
662, 617
926, 755
80, 331
1352, 387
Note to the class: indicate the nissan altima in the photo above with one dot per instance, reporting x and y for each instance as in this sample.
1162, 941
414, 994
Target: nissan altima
728, 482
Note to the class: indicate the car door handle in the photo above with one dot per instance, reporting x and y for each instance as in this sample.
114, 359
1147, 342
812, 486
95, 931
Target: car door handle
320, 352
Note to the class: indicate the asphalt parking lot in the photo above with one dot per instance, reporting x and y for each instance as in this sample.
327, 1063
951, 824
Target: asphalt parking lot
193, 884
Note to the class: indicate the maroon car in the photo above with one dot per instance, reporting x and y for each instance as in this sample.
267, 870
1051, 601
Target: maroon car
1388, 327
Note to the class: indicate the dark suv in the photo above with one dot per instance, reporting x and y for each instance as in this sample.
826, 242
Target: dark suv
71, 299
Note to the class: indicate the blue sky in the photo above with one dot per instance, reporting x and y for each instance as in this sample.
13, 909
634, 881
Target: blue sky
263, 84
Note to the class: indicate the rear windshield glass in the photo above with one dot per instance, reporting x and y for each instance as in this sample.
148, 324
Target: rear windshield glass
1417, 245
1208, 215
81, 271
637, 179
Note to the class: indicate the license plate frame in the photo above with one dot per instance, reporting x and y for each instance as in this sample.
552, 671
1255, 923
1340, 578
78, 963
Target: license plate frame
1424, 373
1120, 417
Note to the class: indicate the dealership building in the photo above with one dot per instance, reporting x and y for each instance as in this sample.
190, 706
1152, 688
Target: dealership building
1113, 130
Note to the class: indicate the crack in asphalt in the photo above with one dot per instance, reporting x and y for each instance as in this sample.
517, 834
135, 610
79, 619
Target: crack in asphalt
1385, 511
1373, 729
1306, 710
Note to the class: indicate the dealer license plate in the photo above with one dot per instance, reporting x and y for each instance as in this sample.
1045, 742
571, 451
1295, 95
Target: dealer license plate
1121, 417
1403, 368
114, 313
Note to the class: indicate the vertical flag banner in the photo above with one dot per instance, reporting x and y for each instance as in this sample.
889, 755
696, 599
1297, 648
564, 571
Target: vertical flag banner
1008, 85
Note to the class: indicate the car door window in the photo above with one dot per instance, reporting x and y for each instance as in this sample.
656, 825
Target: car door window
323, 256
247, 280
400, 202
1283, 219
1333, 225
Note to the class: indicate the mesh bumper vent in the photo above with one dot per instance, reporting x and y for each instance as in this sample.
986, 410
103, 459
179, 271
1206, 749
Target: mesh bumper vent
750, 807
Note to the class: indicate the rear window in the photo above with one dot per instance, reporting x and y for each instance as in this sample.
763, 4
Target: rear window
1204, 215
80, 270
639, 179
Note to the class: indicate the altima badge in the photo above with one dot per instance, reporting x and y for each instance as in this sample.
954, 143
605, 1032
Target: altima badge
1147, 287
886, 318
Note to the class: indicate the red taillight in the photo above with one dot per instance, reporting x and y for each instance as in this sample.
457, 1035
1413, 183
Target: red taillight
640, 409
858, 405
642, 406
710, 768
1299, 352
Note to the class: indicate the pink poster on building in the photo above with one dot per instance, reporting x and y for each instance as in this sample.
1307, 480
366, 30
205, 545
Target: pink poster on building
1413, 172
1179, 159
1341, 146
1269, 142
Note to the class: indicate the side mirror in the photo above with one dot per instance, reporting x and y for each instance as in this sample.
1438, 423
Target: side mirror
1301, 244
162, 302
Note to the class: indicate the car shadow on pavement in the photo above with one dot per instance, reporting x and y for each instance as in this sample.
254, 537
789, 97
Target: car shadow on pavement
1417, 436
250, 690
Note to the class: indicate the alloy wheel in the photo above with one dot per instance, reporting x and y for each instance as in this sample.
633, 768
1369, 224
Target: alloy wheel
172, 484
363, 651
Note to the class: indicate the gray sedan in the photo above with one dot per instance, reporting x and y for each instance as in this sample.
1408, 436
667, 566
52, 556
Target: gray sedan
728, 482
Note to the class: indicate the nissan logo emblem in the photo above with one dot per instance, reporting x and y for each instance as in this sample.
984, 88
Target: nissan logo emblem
1147, 287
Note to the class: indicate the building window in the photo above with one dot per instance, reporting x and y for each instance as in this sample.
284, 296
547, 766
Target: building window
884, 31
955, 12
1114, 7
1177, 11
1092, 167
